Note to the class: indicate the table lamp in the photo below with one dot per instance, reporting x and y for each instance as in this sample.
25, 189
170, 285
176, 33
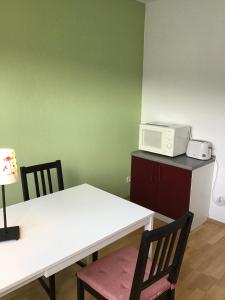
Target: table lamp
8, 175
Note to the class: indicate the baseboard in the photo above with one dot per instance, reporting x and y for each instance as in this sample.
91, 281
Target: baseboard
163, 218
215, 222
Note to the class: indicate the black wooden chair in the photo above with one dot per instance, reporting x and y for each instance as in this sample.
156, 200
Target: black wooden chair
129, 274
43, 184
42, 178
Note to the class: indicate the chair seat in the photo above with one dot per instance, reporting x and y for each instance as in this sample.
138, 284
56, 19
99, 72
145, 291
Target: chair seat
112, 276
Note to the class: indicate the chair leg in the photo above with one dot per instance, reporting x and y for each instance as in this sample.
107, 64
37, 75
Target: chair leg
80, 290
52, 288
171, 295
95, 256
168, 295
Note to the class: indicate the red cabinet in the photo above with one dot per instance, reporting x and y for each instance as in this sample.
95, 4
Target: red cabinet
160, 187
143, 184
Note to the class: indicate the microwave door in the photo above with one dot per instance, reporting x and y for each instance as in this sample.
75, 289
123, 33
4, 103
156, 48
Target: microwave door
152, 139
156, 140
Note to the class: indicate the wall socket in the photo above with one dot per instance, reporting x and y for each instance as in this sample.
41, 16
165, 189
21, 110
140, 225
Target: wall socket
128, 179
220, 201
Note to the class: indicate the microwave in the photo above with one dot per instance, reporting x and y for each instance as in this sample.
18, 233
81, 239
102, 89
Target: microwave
164, 138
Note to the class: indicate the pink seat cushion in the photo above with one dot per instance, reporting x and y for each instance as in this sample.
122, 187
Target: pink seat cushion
112, 276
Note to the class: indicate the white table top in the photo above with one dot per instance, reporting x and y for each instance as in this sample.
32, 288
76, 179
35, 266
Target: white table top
61, 228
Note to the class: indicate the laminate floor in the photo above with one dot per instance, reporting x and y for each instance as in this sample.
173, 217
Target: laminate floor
202, 275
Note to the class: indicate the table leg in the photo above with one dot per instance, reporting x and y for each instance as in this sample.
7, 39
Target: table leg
95, 256
52, 288
149, 227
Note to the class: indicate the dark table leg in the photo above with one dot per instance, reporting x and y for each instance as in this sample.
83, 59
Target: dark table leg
52, 288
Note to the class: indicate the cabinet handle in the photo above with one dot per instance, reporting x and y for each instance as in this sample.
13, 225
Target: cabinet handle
153, 172
159, 174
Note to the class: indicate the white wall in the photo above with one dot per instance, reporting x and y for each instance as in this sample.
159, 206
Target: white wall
184, 73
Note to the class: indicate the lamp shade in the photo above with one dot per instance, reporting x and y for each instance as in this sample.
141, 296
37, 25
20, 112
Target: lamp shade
8, 166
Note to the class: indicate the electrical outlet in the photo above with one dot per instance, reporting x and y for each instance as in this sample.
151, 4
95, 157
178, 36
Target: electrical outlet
220, 201
128, 179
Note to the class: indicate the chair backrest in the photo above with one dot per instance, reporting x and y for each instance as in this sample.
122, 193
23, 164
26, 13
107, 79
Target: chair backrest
41, 172
167, 245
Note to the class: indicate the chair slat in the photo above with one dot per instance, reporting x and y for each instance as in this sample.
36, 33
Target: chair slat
163, 253
169, 253
43, 182
36, 184
155, 259
49, 181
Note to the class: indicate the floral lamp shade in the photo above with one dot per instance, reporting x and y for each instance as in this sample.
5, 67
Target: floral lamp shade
8, 166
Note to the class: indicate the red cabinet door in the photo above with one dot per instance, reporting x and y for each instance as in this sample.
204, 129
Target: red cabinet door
143, 182
174, 185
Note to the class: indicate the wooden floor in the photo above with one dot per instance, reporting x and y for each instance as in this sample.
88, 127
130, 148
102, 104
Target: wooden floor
202, 275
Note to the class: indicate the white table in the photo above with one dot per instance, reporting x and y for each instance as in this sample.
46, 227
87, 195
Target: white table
59, 229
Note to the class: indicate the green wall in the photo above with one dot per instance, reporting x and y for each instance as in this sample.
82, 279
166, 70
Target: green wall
70, 87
